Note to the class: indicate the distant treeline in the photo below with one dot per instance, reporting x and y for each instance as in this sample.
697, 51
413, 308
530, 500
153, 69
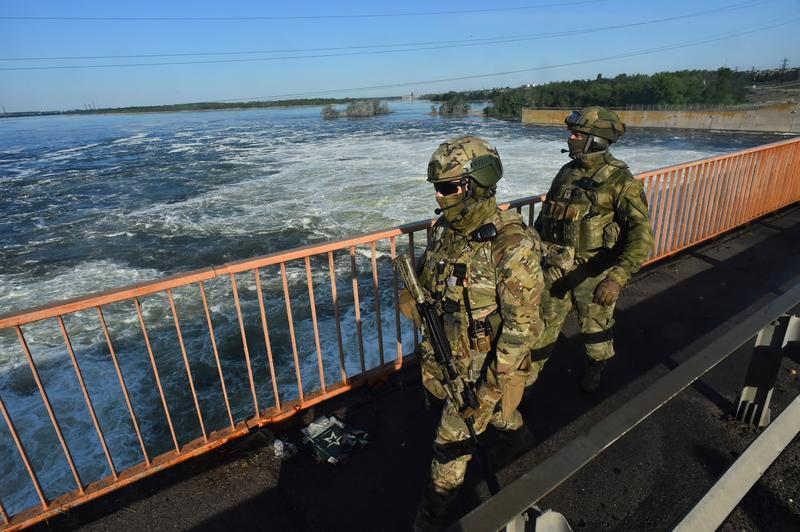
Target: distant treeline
199, 106
713, 87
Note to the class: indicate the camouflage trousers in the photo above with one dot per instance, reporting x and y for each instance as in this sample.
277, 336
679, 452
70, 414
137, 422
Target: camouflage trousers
452, 444
576, 290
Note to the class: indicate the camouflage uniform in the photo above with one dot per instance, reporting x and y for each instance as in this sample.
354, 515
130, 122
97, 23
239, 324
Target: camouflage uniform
487, 292
597, 209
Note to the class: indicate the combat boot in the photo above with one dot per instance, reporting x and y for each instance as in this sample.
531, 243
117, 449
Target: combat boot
433, 509
512, 444
592, 375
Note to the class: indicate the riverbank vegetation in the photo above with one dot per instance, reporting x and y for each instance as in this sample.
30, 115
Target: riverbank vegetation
686, 87
358, 109
454, 104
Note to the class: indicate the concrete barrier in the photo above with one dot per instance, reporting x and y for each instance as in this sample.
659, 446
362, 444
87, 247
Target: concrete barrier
775, 118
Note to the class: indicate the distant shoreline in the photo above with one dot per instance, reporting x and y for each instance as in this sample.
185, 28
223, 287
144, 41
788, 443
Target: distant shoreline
194, 107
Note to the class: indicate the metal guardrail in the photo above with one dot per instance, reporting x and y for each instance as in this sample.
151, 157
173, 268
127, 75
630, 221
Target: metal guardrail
694, 107
690, 203
731, 488
679, 107
707, 352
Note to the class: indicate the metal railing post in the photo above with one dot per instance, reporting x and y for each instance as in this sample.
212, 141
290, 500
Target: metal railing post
771, 342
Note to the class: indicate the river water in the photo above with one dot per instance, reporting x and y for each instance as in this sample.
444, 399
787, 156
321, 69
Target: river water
94, 202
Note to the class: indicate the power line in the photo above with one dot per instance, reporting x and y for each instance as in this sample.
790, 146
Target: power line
315, 56
443, 44
648, 51
314, 17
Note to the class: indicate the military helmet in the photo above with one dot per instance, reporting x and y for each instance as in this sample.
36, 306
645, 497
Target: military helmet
597, 121
465, 156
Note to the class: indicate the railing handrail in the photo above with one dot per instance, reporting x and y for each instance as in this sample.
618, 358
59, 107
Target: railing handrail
115, 295
746, 151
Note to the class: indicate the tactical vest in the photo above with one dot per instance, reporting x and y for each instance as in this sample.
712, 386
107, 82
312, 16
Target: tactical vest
581, 213
459, 275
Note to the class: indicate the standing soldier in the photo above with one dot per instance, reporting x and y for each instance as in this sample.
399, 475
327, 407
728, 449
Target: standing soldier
598, 211
481, 271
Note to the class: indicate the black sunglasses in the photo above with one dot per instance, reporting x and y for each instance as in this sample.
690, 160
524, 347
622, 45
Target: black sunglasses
446, 188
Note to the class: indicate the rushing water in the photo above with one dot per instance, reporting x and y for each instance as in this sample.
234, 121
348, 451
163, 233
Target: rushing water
93, 202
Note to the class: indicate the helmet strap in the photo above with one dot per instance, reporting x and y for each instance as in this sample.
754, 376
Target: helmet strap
597, 144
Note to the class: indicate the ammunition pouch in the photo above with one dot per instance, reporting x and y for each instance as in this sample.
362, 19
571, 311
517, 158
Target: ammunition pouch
591, 233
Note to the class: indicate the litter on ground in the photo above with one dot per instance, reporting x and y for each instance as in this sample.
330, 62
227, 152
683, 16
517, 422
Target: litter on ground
331, 441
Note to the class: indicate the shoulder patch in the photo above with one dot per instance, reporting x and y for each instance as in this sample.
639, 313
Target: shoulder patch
508, 217
613, 161
633, 189
511, 236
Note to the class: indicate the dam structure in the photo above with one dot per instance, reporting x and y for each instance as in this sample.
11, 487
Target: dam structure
773, 117
734, 214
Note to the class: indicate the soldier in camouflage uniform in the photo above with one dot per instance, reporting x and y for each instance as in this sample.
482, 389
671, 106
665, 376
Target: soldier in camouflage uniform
482, 269
597, 212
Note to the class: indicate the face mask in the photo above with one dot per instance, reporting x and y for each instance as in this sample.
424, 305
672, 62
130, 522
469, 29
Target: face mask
451, 206
576, 146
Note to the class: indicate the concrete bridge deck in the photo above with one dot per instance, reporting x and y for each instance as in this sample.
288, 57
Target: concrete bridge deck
646, 481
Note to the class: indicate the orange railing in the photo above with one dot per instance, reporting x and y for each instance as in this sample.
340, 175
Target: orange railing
275, 376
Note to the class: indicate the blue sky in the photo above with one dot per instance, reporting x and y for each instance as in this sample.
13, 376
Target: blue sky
23, 38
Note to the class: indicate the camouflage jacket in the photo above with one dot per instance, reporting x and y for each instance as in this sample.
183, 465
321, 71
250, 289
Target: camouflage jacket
488, 295
597, 207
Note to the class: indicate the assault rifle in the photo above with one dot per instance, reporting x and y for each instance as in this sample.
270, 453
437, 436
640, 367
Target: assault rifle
453, 381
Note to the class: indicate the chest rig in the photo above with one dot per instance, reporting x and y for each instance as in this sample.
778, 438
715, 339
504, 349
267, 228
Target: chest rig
459, 275
579, 211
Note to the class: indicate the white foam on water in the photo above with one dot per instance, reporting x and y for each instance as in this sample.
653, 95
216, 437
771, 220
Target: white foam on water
68, 153
132, 139
20, 290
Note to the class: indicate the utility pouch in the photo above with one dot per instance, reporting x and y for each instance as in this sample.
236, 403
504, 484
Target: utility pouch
570, 233
571, 222
480, 336
591, 233
514, 388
